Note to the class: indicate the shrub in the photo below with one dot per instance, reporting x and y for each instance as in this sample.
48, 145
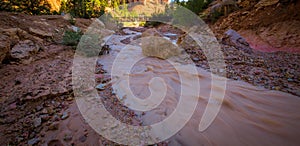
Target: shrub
71, 38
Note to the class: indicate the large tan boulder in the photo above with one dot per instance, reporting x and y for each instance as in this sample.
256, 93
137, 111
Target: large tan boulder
154, 45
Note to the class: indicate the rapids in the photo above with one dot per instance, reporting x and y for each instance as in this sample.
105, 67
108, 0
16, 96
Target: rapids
249, 115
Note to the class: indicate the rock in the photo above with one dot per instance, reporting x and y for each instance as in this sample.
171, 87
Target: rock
75, 29
65, 115
100, 86
38, 108
82, 138
151, 32
4, 47
24, 49
13, 34
196, 59
154, 45
265, 3
45, 111
40, 32
45, 117
17, 34
53, 126
68, 137
33, 141
126, 41
37, 122
232, 38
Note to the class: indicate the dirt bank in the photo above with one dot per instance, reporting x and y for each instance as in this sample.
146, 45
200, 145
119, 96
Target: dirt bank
268, 28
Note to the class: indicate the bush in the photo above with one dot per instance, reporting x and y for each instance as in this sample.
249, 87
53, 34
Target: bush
215, 16
71, 38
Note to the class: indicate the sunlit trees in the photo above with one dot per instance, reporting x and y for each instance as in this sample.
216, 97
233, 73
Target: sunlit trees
33, 7
195, 6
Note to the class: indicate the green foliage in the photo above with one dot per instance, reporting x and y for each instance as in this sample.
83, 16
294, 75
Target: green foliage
195, 6
84, 8
71, 38
216, 15
156, 18
32, 7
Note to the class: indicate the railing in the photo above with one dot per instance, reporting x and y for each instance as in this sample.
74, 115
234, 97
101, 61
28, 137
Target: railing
132, 19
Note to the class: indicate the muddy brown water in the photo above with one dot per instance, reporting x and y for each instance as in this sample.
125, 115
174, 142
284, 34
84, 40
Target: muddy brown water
249, 115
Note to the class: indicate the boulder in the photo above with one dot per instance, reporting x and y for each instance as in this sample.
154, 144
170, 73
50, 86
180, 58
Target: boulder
151, 32
17, 34
40, 32
232, 38
154, 45
24, 49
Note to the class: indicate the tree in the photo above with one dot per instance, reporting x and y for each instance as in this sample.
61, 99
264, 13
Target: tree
84, 8
33, 7
195, 6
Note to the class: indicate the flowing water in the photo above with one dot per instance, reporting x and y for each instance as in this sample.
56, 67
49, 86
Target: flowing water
249, 115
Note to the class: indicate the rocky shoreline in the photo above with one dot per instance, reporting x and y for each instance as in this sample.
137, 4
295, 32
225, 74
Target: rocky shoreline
271, 70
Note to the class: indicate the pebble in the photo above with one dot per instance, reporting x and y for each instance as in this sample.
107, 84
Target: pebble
53, 126
68, 137
65, 115
82, 138
196, 59
38, 108
33, 141
45, 117
37, 122
101, 86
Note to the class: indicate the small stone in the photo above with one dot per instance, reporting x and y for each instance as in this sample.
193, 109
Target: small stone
56, 118
82, 138
65, 115
44, 111
196, 59
53, 126
290, 80
126, 41
38, 108
68, 137
37, 122
33, 141
45, 117
101, 86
